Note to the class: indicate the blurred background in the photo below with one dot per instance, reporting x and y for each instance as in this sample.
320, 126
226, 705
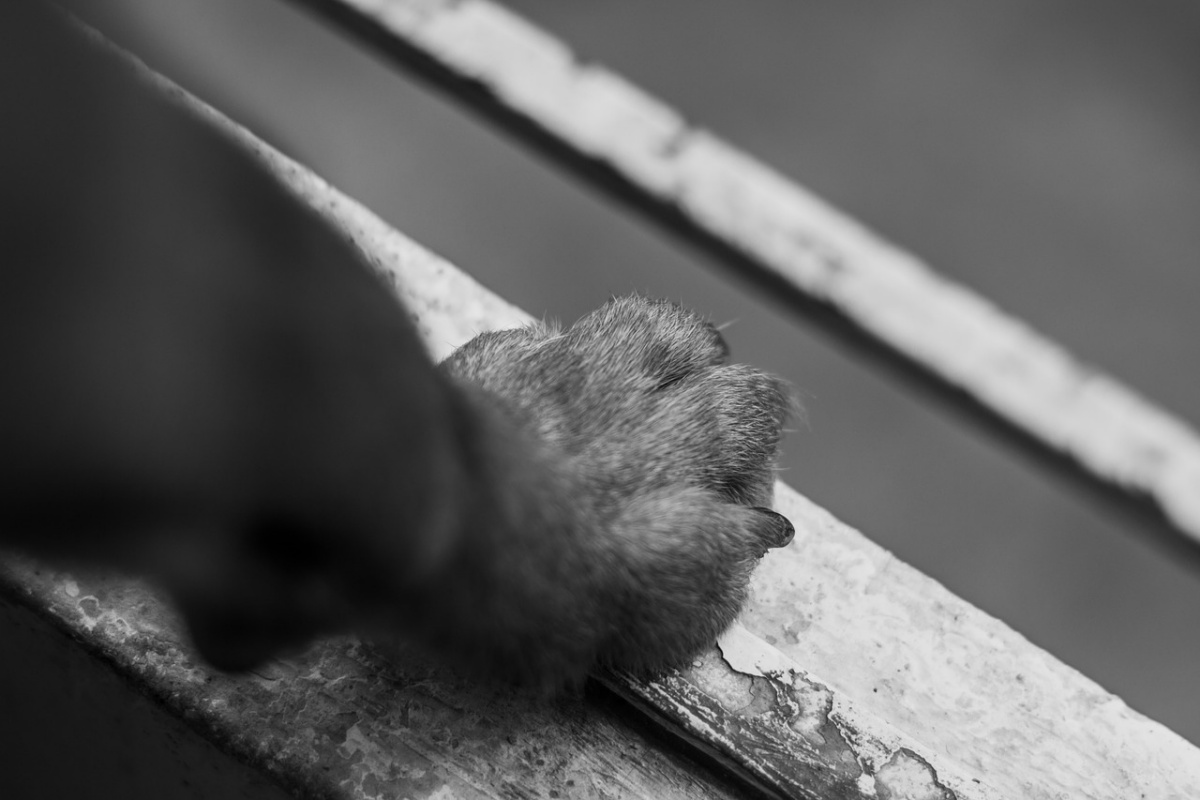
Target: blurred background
1043, 152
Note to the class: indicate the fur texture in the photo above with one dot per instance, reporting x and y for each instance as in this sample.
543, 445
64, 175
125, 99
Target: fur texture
627, 468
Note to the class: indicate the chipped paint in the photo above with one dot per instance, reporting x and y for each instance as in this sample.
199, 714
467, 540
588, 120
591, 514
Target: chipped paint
795, 732
907, 775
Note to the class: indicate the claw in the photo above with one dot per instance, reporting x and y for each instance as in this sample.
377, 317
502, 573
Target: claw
780, 530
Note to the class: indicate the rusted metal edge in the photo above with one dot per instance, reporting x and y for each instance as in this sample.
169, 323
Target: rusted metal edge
340, 722
1081, 424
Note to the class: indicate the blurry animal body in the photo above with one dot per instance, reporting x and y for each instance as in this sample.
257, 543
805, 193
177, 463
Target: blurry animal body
205, 385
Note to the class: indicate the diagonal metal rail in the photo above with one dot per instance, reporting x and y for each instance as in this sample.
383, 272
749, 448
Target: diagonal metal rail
1081, 424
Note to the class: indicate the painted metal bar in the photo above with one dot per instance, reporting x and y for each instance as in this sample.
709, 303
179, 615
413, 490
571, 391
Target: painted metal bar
1080, 423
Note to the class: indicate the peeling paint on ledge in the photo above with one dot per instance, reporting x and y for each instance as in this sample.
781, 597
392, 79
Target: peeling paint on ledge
795, 733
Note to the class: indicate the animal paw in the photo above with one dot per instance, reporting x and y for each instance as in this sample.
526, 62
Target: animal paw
655, 462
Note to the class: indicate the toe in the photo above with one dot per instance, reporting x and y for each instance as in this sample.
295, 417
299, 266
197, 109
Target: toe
660, 339
751, 409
